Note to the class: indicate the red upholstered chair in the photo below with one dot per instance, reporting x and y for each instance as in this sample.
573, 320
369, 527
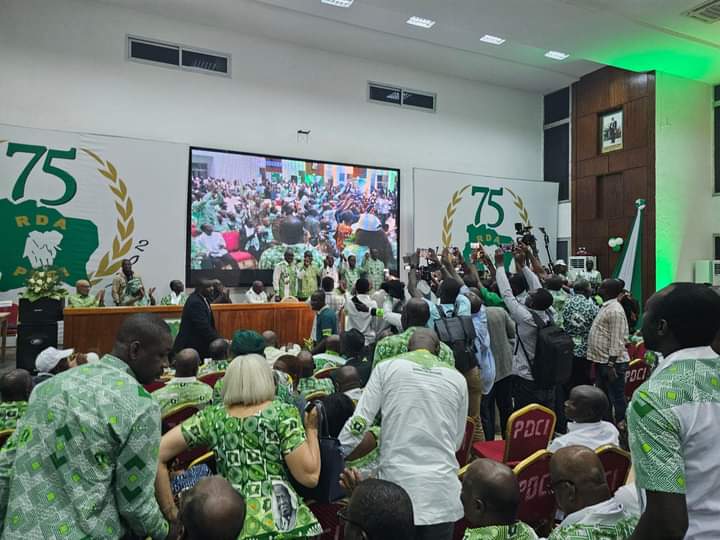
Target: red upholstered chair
537, 502
5, 435
528, 430
12, 324
212, 378
326, 514
177, 416
232, 243
638, 372
616, 463
155, 385
463, 455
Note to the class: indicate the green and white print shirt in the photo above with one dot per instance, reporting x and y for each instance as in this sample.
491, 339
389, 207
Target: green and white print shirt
183, 391
10, 413
673, 420
516, 531
392, 346
608, 520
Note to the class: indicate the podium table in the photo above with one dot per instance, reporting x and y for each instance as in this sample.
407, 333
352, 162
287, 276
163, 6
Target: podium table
94, 329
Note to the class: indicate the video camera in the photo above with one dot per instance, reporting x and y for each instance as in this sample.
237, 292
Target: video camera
524, 235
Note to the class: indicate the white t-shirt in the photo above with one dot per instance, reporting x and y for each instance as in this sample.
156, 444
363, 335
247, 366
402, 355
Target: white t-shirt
424, 406
213, 244
590, 434
361, 320
253, 298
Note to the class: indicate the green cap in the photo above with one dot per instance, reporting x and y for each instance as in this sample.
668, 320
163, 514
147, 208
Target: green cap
247, 342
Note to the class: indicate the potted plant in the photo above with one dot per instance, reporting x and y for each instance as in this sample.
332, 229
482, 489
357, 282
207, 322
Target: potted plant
43, 298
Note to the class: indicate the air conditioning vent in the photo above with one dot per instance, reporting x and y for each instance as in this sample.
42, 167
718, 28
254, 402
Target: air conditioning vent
177, 56
388, 94
707, 12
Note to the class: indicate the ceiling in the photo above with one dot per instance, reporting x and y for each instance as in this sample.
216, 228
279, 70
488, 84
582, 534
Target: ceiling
633, 34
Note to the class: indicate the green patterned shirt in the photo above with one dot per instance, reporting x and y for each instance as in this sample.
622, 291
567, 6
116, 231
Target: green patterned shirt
167, 300
76, 300
392, 346
213, 367
375, 270
311, 385
516, 531
183, 391
82, 461
308, 280
276, 254
250, 454
10, 413
350, 275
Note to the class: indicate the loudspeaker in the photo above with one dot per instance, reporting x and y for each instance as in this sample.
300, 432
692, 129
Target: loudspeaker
31, 339
43, 310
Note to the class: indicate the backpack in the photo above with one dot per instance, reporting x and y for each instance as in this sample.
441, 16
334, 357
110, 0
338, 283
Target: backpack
458, 333
553, 360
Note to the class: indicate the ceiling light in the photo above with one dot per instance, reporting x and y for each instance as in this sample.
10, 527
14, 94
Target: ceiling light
422, 23
338, 3
492, 40
556, 55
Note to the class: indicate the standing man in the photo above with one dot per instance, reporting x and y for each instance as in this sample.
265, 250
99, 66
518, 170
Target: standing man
326, 322
308, 276
214, 249
606, 347
197, 324
285, 277
423, 404
122, 293
82, 299
177, 296
590, 274
578, 316
256, 294
83, 460
673, 418
349, 272
374, 268
329, 270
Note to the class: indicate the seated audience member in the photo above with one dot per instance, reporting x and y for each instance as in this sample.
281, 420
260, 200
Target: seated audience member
348, 381
256, 294
330, 355
177, 296
363, 462
269, 430
81, 297
501, 329
307, 384
424, 404
184, 388
219, 351
352, 344
219, 295
378, 510
415, 314
578, 480
50, 362
89, 440
326, 321
247, 342
358, 309
15, 388
585, 409
334, 300
673, 418
213, 248
212, 510
272, 352
490, 498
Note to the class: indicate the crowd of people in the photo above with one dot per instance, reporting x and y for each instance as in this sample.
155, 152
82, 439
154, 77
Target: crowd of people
375, 402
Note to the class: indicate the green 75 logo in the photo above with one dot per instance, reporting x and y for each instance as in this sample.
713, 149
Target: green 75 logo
37, 152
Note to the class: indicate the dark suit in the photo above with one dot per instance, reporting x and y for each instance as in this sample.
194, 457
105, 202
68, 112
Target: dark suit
197, 326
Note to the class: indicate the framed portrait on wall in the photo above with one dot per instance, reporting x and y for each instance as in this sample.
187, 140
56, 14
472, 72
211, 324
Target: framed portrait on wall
611, 131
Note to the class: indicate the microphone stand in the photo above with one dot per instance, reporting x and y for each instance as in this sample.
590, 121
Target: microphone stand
546, 239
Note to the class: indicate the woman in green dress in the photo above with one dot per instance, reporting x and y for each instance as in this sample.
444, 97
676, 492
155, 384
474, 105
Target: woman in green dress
254, 436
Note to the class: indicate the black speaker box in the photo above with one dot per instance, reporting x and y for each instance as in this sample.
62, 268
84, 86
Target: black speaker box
31, 339
44, 310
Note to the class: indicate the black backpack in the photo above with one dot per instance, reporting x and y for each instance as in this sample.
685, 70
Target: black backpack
458, 333
553, 360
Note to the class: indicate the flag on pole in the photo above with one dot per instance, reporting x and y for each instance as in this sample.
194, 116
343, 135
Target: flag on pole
629, 267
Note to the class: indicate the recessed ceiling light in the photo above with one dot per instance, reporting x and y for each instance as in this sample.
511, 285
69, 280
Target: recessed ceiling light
492, 40
556, 55
422, 23
338, 3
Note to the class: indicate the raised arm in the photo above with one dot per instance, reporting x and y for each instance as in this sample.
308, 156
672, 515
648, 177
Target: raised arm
517, 311
367, 408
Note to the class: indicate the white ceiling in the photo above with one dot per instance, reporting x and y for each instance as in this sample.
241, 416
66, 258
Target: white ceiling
633, 34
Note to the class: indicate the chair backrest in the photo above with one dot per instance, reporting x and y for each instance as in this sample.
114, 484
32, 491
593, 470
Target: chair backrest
5, 435
616, 463
12, 320
637, 373
212, 378
537, 502
177, 416
289, 300
463, 454
324, 373
232, 240
528, 430
155, 385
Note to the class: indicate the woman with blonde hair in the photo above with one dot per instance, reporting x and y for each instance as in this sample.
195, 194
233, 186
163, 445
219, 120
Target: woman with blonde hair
253, 436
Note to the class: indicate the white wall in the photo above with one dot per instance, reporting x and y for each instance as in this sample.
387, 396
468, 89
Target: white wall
63, 67
687, 214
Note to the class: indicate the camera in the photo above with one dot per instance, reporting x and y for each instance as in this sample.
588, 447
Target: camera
524, 235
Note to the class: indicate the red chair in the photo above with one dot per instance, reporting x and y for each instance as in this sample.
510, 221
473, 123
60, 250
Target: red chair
537, 502
5, 435
638, 372
326, 514
177, 416
12, 324
616, 463
155, 385
212, 378
232, 244
528, 430
463, 455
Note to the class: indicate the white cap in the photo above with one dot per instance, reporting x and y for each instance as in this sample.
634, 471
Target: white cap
50, 357
92, 358
560, 262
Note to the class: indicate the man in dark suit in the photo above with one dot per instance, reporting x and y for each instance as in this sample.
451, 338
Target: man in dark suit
197, 325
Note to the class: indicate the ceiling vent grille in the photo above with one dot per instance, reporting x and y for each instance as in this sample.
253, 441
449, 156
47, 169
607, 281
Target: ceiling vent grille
177, 56
708, 12
388, 94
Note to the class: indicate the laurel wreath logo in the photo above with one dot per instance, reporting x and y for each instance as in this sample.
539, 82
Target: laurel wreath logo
124, 226
456, 199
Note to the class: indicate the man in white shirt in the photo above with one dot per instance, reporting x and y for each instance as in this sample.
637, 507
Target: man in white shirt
256, 294
329, 269
423, 404
585, 409
578, 480
359, 310
213, 247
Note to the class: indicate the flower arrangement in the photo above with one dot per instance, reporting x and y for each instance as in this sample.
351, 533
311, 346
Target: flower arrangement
616, 244
44, 283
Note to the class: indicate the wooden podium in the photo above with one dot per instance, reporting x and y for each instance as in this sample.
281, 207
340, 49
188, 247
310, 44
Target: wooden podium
94, 329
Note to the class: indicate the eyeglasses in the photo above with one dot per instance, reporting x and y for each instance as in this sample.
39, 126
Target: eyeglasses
343, 517
551, 488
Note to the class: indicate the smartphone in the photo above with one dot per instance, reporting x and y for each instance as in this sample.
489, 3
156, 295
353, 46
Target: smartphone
507, 248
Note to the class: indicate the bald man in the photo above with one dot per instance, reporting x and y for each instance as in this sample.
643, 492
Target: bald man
256, 294
348, 381
212, 510
184, 388
308, 385
218, 356
15, 388
330, 356
423, 402
490, 497
81, 297
585, 408
578, 479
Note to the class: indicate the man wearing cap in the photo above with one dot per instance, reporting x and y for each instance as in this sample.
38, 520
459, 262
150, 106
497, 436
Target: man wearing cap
50, 362
243, 342
82, 299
